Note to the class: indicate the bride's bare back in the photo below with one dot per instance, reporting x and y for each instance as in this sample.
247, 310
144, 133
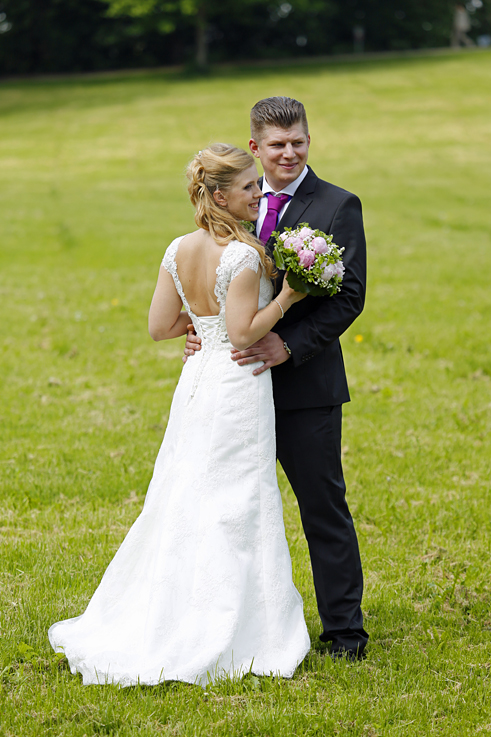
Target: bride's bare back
197, 260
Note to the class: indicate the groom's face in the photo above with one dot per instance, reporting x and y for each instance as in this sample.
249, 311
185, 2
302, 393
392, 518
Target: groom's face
283, 153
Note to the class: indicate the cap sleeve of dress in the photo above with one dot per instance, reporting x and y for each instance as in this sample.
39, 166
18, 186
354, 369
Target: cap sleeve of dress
245, 258
168, 262
237, 257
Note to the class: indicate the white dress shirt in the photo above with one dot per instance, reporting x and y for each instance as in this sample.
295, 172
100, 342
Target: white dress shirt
289, 189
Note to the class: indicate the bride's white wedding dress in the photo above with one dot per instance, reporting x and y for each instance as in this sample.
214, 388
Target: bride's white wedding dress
202, 585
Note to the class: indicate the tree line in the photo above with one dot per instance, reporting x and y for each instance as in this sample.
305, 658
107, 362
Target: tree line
53, 36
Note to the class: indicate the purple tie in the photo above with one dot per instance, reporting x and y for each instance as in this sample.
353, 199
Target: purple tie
275, 205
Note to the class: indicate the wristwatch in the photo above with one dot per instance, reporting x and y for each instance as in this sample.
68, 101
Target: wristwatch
287, 349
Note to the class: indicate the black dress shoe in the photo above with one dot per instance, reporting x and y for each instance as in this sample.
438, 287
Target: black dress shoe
350, 656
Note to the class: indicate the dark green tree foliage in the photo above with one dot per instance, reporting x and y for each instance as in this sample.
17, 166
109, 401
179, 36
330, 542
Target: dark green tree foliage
394, 25
74, 35
277, 30
43, 36
228, 29
403, 24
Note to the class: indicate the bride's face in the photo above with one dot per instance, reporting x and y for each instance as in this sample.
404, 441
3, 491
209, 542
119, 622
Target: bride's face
242, 199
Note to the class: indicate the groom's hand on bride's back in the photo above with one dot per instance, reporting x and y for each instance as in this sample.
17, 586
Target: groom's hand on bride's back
193, 343
269, 349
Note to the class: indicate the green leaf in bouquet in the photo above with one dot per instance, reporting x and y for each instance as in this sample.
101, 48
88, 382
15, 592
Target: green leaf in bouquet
278, 257
298, 285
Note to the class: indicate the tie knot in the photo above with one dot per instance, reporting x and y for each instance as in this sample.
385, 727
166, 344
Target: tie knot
276, 202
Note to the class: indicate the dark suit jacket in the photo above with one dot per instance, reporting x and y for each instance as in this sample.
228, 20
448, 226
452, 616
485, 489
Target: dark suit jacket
314, 376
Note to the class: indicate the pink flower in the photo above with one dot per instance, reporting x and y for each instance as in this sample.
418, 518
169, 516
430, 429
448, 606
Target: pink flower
328, 272
294, 242
306, 258
284, 235
305, 233
319, 245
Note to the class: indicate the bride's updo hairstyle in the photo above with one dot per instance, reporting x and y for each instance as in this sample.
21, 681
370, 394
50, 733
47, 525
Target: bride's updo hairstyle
212, 169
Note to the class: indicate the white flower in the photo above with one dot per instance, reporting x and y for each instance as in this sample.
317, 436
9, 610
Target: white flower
339, 269
328, 272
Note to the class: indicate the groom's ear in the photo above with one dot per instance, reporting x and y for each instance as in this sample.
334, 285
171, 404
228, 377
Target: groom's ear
254, 148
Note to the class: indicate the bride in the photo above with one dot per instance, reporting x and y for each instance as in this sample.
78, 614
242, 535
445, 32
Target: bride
201, 587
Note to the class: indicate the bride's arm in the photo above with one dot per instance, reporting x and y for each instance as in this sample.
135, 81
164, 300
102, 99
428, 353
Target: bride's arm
245, 323
166, 319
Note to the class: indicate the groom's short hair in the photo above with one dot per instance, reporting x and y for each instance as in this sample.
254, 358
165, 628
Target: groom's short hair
278, 112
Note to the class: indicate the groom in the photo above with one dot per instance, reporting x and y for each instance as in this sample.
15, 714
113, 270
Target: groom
303, 351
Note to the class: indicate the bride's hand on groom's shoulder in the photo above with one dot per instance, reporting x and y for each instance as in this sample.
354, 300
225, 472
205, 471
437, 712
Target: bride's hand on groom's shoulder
270, 349
193, 343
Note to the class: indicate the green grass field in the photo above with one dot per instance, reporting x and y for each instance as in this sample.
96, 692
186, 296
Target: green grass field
92, 192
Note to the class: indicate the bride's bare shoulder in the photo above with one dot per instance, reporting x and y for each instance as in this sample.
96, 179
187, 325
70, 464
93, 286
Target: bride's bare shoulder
199, 239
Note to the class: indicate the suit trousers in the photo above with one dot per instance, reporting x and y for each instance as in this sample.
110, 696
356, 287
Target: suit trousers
309, 449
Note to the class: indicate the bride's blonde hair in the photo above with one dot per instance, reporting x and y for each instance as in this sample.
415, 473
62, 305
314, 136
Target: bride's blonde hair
212, 169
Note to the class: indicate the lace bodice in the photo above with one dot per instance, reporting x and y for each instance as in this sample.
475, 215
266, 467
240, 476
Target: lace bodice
235, 258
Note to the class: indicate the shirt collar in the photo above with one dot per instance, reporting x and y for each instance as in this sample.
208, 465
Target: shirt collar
291, 188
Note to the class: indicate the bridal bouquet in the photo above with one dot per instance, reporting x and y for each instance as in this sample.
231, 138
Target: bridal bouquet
312, 260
